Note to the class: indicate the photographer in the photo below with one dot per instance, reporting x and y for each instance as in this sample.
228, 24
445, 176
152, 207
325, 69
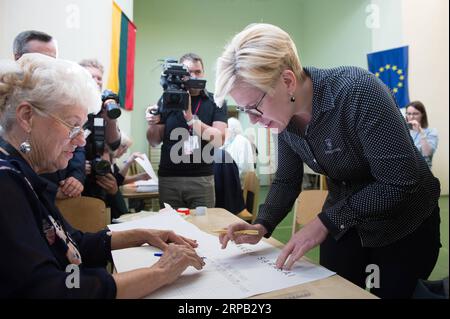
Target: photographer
188, 135
104, 136
112, 132
67, 182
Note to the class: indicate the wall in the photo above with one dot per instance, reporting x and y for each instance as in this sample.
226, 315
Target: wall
82, 28
425, 30
334, 33
207, 25
326, 32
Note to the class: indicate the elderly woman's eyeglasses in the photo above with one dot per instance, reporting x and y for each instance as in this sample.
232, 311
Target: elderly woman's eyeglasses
74, 131
252, 110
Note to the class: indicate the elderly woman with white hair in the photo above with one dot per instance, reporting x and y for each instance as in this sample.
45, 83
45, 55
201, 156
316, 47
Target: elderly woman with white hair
44, 103
239, 147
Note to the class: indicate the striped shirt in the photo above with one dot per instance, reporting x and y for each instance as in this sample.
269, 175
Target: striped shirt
378, 182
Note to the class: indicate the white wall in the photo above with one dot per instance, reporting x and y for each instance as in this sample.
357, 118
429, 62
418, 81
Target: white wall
425, 30
423, 26
82, 29
384, 19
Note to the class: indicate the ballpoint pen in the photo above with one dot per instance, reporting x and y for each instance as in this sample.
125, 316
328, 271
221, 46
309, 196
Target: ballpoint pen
161, 254
238, 232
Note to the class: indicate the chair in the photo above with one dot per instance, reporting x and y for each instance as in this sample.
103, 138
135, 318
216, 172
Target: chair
134, 169
227, 185
87, 214
307, 206
251, 197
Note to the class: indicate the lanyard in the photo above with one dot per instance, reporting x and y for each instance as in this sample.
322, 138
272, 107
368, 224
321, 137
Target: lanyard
198, 106
195, 113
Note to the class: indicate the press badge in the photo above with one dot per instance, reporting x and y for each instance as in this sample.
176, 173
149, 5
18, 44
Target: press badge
190, 145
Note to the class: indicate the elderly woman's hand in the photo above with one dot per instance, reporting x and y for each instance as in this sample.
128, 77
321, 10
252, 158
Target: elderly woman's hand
154, 237
175, 260
162, 238
71, 187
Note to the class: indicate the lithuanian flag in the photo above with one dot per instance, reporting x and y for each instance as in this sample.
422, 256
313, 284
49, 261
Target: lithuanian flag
123, 46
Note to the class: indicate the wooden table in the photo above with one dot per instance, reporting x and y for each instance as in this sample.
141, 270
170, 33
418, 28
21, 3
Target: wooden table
129, 192
331, 287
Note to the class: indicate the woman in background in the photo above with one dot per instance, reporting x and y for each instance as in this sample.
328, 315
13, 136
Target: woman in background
425, 138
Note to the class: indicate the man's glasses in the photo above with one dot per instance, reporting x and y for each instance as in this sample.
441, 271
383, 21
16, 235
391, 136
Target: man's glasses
74, 131
252, 110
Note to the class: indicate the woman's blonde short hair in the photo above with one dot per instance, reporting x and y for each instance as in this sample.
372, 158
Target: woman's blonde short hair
50, 83
256, 56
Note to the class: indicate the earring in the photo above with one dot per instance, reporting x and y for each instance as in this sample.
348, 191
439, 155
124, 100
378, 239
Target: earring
292, 99
25, 147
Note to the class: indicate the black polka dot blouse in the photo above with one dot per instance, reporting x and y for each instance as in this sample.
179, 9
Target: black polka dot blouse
378, 182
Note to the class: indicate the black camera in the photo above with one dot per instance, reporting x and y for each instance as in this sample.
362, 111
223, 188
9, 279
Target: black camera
110, 101
95, 142
100, 166
176, 81
410, 126
95, 145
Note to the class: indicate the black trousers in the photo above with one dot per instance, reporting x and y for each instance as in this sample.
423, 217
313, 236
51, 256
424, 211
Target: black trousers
400, 264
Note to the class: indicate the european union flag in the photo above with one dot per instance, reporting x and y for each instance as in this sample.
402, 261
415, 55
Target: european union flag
391, 66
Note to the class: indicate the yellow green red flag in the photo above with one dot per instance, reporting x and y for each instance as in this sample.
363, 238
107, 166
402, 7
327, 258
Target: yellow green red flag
123, 47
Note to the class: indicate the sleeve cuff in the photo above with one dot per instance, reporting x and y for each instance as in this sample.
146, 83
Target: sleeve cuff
334, 231
270, 228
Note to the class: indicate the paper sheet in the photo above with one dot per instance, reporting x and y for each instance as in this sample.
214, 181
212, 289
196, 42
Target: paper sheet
239, 271
147, 166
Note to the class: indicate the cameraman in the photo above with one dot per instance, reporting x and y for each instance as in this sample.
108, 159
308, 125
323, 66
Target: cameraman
187, 183
100, 184
69, 181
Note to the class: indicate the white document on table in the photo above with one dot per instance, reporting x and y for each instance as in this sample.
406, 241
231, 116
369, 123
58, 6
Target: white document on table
146, 186
239, 271
147, 166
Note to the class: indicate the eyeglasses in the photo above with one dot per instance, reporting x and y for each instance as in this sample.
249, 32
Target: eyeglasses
74, 131
252, 110
413, 114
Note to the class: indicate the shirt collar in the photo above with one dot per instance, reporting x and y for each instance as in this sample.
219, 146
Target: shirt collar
323, 99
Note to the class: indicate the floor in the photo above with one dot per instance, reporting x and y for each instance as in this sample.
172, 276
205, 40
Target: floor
284, 230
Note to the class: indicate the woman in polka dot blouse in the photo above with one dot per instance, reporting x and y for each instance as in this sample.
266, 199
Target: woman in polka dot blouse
382, 208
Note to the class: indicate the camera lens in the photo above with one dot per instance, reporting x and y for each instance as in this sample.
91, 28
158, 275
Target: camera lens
102, 167
112, 109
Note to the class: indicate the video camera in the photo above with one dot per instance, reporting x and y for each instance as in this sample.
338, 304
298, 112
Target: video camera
176, 81
95, 142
